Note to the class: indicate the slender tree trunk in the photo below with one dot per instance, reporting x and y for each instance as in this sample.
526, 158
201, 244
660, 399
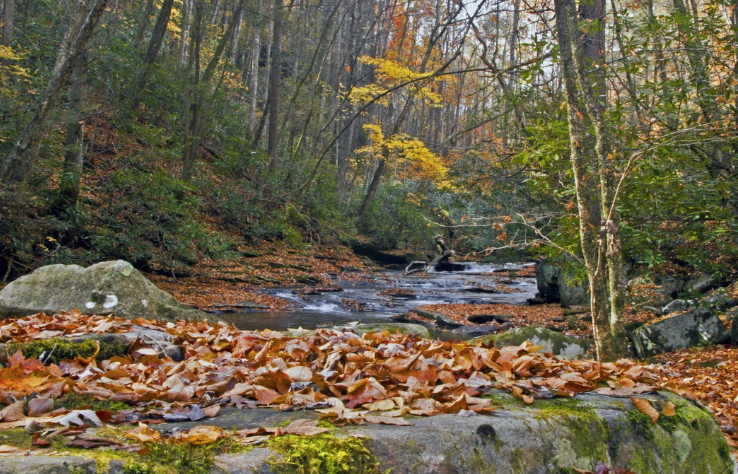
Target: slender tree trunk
594, 185
184, 32
74, 153
9, 20
275, 77
152, 51
144, 24
255, 56
79, 34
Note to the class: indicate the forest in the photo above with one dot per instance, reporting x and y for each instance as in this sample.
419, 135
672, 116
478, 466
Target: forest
261, 159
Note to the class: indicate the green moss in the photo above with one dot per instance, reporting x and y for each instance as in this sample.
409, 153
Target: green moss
73, 401
58, 348
15, 437
640, 424
322, 454
55, 349
529, 333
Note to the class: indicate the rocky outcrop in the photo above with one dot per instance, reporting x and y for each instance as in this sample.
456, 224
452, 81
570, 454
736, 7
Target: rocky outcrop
553, 342
548, 437
556, 285
693, 328
706, 282
105, 288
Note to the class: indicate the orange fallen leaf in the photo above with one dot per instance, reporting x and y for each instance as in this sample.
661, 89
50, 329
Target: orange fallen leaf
644, 406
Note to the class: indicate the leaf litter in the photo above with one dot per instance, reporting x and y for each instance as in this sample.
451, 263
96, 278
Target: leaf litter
347, 379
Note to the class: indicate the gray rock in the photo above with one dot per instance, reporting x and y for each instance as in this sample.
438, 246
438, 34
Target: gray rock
721, 301
104, 288
553, 342
705, 282
558, 286
439, 318
548, 437
402, 328
734, 331
477, 331
676, 305
693, 328
48, 465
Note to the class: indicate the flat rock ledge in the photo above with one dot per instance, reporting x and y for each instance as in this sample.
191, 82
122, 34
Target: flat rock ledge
549, 437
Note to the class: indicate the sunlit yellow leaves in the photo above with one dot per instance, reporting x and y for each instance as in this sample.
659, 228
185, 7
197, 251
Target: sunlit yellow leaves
390, 75
408, 157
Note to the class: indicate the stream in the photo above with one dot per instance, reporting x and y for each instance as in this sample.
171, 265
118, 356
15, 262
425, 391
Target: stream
439, 287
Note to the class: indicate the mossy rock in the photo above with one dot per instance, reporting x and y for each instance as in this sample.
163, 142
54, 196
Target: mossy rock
553, 342
697, 327
106, 288
58, 348
402, 328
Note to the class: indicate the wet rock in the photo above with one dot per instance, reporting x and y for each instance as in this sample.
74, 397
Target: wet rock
477, 331
559, 286
553, 342
105, 288
694, 328
676, 305
486, 318
451, 267
706, 282
440, 319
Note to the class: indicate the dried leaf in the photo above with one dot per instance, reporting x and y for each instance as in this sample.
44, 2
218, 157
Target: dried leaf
200, 435
644, 406
669, 409
13, 412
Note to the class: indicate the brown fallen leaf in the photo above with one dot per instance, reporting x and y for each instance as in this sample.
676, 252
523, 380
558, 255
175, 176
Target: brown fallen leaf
13, 412
200, 435
386, 420
669, 409
144, 434
644, 406
211, 411
304, 427
39, 406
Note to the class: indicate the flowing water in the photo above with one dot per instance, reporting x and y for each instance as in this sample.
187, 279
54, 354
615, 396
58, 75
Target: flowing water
327, 309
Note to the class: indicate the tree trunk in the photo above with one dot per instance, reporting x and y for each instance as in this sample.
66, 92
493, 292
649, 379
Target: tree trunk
9, 19
144, 24
275, 76
184, 32
74, 153
152, 51
80, 32
594, 187
255, 54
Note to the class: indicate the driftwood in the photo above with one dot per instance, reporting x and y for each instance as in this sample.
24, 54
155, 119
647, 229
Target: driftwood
422, 266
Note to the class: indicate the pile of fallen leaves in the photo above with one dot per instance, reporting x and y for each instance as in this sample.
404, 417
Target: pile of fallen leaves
333, 371
710, 376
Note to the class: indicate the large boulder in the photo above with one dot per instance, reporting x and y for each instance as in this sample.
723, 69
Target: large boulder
105, 288
552, 342
548, 437
694, 328
706, 282
557, 285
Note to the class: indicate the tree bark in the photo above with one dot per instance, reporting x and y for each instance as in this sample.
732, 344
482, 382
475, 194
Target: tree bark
9, 19
144, 24
275, 77
74, 153
152, 51
79, 34
594, 185
255, 54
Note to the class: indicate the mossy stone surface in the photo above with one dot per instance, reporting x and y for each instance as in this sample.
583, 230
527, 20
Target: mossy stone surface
553, 342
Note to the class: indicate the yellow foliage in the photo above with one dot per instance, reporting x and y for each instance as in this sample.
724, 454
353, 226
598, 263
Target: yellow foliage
391, 74
410, 155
